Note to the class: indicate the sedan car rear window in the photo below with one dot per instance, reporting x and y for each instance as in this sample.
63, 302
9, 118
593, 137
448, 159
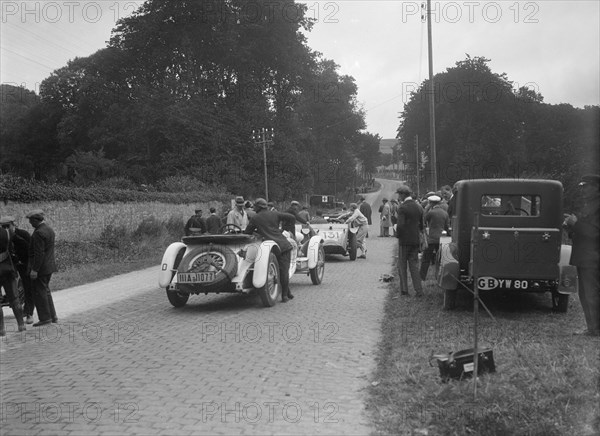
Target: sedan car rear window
507, 205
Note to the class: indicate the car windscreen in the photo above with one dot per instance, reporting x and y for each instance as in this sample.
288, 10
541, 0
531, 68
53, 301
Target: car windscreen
510, 204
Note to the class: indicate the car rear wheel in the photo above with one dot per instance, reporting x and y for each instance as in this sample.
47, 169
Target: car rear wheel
352, 245
316, 273
449, 299
177, 298
272, 288
560, 302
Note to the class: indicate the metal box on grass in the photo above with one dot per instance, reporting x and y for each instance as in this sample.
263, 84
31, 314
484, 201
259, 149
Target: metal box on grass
461, 364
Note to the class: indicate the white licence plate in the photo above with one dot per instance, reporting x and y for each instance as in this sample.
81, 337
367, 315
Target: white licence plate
199, 277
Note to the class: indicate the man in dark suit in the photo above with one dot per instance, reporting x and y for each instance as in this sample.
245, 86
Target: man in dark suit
21, 240
195, 224
213, 222
8, 274
408, 230
266, 224
365, 209
42, 264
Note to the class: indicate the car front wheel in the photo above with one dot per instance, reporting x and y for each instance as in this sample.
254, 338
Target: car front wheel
316, 273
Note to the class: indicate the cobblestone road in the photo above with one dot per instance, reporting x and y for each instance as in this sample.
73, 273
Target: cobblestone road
123, 361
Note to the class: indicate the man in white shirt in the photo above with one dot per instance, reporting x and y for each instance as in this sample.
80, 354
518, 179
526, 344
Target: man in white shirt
237, 216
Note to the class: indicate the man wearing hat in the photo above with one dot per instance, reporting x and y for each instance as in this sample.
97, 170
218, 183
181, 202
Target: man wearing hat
365, 209
384, 217
237, 216
8, 274
584, 230
42, 264
355, 218
266, 224
436, 221
294, 210
195, 225
409, 228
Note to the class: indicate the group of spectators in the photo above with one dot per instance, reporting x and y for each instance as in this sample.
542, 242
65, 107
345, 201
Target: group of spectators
29, 259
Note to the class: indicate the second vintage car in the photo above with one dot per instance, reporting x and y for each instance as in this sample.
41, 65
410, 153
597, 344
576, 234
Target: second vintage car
506, 236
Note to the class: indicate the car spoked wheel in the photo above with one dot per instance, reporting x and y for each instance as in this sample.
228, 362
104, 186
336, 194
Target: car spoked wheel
316, 273
272, 288
215, 266
208, 262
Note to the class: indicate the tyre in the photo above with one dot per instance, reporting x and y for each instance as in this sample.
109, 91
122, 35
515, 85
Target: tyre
560, 302
316, 273
217, 258
352, 245
177, 298
272, 288
449, 299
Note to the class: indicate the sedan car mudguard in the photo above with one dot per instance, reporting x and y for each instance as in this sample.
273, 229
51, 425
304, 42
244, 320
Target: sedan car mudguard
168, 263
449, 270
313, 251
568, 282
261, 263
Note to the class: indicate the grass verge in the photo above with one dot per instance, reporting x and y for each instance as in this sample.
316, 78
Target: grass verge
89, 273
546, 381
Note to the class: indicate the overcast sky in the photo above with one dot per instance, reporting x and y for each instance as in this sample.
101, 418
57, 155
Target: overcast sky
551, 46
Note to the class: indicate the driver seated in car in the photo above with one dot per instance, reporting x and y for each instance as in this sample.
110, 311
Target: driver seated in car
290, 226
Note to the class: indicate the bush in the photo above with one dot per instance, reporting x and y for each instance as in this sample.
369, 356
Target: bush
118, 182
175, 227
180, 184
115, 237
22, 190
150, 227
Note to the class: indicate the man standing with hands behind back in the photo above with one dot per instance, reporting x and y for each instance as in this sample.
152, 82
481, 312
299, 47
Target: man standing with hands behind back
42, 264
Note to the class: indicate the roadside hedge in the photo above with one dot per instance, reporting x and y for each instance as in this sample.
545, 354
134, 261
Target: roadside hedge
18, 189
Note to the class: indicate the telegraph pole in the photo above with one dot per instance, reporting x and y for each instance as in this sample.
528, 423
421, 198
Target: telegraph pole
418, 164
431, 102
264, 138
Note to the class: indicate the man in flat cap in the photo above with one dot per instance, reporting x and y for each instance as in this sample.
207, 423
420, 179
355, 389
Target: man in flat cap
42, 264
584, 230
237, 216
8, 274
436, 221
196, 224
266, 224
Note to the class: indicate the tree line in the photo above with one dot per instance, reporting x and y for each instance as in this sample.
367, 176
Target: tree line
179, 89
485, 128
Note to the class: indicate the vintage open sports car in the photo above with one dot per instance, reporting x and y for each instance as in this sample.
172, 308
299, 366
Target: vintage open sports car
338, 237
236, 263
